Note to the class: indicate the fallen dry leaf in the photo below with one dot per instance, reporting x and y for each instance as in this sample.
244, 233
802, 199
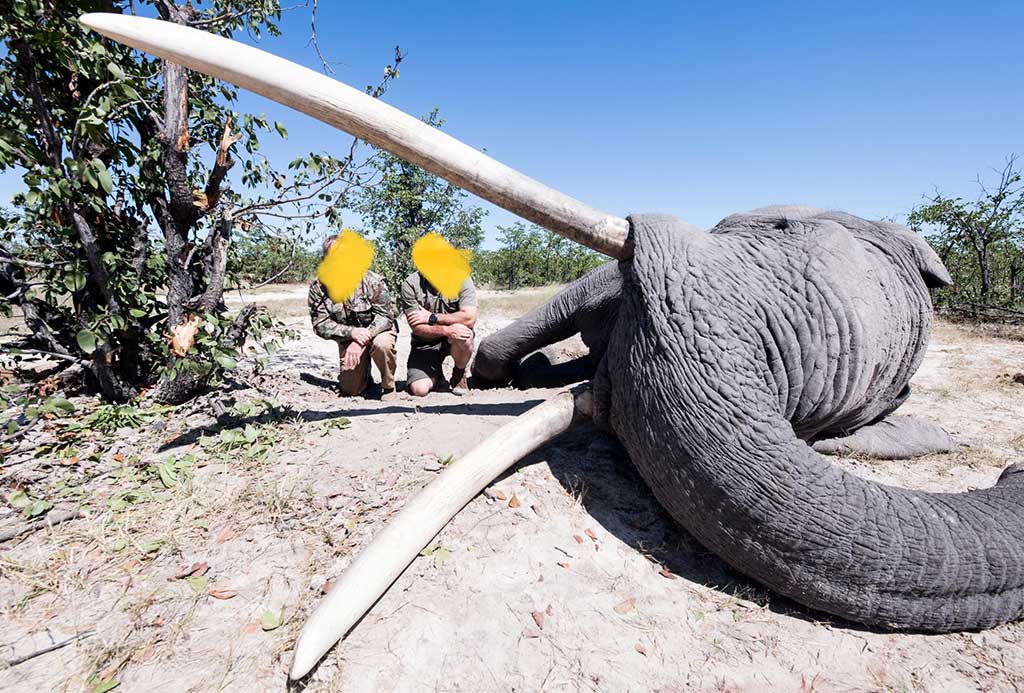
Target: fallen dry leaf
327, 586
69, 461
531, 633
578, 538
499, 495
118, 457
666, 573
624, 607
564, 565
252, 628
225, 534
146, 654
223, 593
513, 502
194, 570
538, 618
590, 533
641, 649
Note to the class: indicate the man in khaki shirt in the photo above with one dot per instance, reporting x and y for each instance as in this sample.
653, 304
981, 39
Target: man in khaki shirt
364, 327
439, 327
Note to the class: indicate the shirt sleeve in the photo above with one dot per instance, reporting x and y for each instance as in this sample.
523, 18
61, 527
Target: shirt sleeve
383, 310
324, 324
407, 299
467, 294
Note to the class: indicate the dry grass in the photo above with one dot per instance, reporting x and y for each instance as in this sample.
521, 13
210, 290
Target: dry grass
516, 302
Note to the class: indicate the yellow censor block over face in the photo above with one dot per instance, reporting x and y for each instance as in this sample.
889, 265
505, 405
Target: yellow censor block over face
444, 265
345, 265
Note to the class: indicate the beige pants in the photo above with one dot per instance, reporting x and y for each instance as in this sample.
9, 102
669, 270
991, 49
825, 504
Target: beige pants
353, 381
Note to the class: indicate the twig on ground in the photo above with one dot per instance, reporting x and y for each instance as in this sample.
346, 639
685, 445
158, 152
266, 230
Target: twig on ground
54, 517
49, 648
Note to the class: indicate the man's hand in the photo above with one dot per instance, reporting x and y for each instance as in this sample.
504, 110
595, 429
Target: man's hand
418, 317
458, 333
361, 336
353, 353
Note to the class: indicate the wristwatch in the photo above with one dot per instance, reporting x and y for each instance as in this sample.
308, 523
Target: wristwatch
433, 319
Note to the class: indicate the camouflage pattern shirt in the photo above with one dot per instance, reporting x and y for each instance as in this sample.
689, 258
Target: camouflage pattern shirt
370, 307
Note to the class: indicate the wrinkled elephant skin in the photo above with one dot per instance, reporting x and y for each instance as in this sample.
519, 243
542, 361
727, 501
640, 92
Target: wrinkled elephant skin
720, 355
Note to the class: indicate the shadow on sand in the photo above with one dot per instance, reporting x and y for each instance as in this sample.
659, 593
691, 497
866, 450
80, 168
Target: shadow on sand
594, 466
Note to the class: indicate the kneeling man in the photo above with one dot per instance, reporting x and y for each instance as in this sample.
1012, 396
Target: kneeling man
439, 327
364, 327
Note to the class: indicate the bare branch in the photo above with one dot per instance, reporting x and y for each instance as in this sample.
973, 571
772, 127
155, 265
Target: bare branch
316, 44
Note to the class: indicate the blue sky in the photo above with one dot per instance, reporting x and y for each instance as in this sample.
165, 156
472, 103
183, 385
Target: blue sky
699, 109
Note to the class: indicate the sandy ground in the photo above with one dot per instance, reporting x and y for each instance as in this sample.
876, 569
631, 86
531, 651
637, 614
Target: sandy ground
585, 585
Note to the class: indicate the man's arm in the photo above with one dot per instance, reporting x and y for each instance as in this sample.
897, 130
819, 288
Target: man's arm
324, 325
383, 311
430, 332
464, 316
410, 307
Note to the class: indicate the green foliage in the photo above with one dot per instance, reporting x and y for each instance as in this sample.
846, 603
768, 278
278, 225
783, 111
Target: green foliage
533, 256
30, 507
125, 221
259, 257
409, 202
111, 417
981, 242
251, 442
174, 472
25, 408
272, 620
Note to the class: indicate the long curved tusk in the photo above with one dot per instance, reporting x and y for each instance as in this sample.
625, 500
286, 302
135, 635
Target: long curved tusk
369, 119
391, 551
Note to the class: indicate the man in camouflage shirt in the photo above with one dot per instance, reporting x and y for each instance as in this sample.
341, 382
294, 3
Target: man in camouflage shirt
364, 327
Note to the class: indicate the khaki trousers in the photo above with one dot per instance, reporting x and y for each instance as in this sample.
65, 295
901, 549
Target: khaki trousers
382, 350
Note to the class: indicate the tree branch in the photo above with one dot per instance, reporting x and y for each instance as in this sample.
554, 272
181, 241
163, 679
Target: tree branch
27, 64
221, 166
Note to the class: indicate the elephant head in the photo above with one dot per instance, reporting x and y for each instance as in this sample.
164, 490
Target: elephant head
717, 356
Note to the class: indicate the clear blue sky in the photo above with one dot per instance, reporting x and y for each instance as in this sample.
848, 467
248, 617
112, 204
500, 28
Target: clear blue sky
697, 109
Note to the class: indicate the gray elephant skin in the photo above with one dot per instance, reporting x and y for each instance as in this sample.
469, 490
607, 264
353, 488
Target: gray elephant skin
720, 358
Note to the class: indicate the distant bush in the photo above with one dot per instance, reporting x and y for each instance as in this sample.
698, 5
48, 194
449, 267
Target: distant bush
981, 242
271, 259
532, 256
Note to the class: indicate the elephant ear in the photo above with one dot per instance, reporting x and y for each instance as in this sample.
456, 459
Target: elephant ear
934, 272
899, 241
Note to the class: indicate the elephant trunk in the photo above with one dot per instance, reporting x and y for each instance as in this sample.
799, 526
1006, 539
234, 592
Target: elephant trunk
588, 305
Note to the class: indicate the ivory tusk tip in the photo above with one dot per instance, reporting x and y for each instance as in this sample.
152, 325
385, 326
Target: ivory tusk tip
302, 662
100, 21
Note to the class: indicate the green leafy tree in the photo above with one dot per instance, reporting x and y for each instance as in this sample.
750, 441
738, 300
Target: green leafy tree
406, 202
120, 235
980, 241
533, 256
257, 258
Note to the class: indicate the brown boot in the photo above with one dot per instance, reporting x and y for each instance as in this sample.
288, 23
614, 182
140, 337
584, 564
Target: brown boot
458, 383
